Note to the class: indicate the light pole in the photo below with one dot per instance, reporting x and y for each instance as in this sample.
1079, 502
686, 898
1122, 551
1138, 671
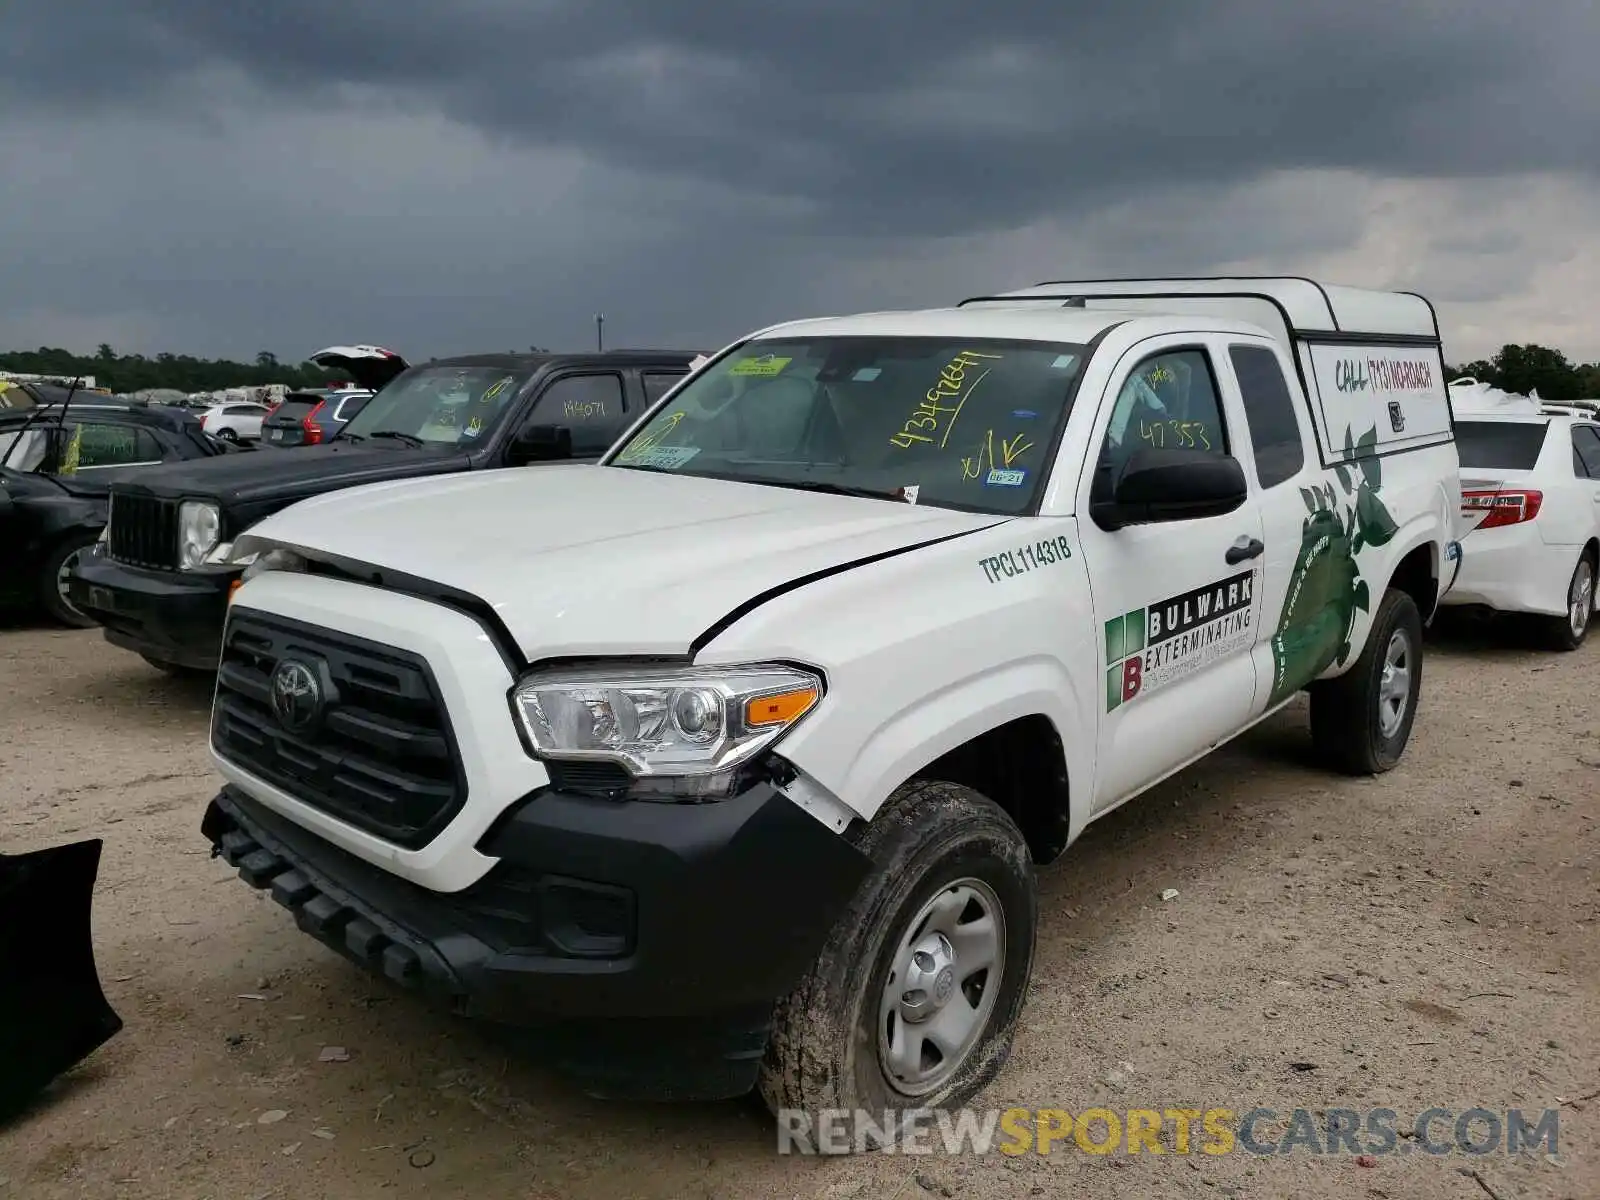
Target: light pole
600, 332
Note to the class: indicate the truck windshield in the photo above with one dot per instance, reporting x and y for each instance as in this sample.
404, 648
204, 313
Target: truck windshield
439, 405
967, 424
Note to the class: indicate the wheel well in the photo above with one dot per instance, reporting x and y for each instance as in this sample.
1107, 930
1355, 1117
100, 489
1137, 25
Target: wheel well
1418, 577
1593, 550
1022, 767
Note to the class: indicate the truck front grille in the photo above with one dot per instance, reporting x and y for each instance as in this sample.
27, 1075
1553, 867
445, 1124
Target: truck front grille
144, 531
375, 751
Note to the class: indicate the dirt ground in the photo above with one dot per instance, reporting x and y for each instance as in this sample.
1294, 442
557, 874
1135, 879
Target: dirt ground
1424, 939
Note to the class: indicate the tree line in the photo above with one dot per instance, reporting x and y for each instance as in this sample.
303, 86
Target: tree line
1515, 368
183, 372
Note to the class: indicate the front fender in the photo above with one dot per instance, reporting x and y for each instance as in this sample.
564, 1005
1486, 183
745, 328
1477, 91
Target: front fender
927, 650
890, 750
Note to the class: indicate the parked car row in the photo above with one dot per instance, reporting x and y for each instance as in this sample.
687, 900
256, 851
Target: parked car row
731, 750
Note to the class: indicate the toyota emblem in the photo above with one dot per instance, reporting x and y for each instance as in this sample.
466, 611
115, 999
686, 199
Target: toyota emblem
297, 697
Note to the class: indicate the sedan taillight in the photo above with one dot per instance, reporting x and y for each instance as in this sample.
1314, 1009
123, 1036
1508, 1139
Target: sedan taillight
1502, 506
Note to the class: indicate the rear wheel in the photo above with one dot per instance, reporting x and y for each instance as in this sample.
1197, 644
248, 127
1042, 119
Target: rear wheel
227, 435
54, 596
1361, 721
914, 1000
1569, 632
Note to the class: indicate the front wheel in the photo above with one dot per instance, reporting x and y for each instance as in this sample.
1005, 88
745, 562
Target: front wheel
1569, 632
227, 435
54, 580
914, 1000
1361, 720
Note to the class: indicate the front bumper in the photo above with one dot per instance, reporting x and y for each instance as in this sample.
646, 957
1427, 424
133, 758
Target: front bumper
172, 616
648, 941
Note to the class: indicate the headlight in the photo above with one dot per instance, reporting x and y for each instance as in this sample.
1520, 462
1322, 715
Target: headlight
666, 724
272, 560
199, 529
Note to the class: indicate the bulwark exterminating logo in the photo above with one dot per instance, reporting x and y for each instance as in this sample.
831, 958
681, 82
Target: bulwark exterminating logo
1149, 648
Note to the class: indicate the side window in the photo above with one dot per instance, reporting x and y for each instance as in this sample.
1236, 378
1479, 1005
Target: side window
349, 407
1168, 402
106, 445
1269, 409
657, 385
1586, 450
589, 405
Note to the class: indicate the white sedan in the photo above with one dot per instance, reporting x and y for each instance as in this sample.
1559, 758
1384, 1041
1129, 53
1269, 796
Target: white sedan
234, 422
1530, 496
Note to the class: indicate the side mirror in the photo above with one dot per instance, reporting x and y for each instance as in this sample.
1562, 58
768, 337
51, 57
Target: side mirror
1171, 484
540, 443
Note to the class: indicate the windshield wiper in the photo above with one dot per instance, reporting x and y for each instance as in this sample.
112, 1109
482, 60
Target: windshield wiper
818, 485
409, 439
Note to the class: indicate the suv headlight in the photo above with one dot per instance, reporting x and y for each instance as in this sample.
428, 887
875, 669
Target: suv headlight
199, 530
677, 724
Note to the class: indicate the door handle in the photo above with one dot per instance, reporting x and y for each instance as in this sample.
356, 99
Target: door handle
1243, 550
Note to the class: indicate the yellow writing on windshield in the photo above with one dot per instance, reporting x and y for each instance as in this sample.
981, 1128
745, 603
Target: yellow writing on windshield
765, 366
495, 389
936, 416
1011, 449
647, 441
1187, 434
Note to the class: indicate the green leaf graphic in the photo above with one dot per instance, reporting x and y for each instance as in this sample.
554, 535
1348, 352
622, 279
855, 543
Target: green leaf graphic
1371, 465
1363, 595
1310, 500
1377, 526
1344, 477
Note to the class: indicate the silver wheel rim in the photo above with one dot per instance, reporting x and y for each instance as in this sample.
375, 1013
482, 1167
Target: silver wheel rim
1580, 598
942, 986
64, 579
1394, 686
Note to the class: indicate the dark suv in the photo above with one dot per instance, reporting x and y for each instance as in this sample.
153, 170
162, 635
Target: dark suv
160, 586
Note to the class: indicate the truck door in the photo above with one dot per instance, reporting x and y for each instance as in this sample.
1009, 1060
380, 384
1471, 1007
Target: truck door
1176, 602
1308, 584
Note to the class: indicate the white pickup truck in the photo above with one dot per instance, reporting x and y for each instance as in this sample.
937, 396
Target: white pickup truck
729, 759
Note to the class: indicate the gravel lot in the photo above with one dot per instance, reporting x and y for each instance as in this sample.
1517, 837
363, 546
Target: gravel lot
1424, 939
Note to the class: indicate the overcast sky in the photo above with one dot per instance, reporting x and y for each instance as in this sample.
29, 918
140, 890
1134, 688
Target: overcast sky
219, 178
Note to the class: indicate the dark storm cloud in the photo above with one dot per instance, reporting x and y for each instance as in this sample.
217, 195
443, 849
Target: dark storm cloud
930, 117
223, 177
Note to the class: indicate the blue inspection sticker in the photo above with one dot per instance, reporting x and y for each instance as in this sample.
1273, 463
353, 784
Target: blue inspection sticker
1001, 477
668, 458
1024, 414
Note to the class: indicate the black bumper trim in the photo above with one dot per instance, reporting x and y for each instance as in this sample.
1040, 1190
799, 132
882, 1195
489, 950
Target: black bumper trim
172, 616
732, 902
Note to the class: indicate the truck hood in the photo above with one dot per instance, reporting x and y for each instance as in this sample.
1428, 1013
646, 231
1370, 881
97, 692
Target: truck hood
579, 559
265, 480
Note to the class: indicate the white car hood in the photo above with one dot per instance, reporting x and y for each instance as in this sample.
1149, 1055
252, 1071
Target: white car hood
583, 559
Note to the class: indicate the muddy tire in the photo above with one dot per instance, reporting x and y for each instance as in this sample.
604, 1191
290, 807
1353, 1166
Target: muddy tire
1361, 721
1570, 631
914, 1000
52, 583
